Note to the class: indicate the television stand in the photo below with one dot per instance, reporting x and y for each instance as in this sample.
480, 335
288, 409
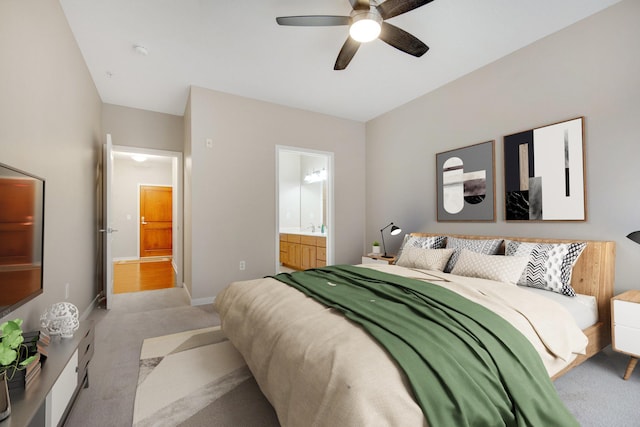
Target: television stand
49, 399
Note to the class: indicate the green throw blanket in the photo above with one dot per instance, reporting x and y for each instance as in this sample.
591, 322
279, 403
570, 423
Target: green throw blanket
466, 365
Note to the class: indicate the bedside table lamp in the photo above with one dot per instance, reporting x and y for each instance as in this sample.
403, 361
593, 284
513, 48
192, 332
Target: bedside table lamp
394, 231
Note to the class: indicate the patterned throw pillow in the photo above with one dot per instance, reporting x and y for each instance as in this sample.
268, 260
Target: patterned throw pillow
487, 247
493, 267
550, 264
426, 259
431, 242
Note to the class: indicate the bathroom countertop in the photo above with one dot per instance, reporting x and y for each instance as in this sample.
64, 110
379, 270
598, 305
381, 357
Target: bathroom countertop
303, 232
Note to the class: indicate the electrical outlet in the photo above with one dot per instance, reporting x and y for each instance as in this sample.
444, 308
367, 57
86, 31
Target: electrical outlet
66, 290
243, 265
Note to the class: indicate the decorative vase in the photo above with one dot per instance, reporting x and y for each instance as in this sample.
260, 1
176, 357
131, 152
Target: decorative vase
60, 319
376, 250
5, 404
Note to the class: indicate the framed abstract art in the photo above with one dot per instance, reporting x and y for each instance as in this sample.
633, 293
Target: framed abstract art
466, 183
544, 173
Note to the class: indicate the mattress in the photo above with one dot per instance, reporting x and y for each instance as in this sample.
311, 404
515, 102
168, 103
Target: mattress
583, 308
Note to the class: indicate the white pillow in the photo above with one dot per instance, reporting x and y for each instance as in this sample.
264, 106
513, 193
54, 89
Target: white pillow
493, 267
425, 259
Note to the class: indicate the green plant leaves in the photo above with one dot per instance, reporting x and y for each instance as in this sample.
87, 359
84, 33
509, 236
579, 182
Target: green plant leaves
10, 339
7, 355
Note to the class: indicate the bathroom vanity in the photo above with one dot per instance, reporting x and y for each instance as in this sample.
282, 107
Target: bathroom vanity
301, 251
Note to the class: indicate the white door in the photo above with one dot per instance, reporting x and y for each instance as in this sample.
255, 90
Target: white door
107, 175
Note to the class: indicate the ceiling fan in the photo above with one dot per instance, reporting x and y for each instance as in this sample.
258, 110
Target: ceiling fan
367, 23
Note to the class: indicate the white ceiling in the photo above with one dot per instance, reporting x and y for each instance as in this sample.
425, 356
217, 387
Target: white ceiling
236, 47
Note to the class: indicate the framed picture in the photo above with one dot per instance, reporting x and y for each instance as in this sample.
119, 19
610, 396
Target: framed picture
544, 173
466, 183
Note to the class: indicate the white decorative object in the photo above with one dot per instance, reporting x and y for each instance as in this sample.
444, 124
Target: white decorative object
376, 249
60, 319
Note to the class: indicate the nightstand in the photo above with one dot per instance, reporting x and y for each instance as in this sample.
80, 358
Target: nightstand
625, 326
378, 259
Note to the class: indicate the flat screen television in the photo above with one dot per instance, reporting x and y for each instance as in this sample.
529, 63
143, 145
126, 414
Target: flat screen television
21, 237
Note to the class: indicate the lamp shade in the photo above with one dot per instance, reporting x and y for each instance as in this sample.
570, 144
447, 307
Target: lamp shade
635, 236
395, 230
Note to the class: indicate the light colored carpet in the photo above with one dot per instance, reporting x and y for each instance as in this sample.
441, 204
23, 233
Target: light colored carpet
113, 371
598, 396
184, 376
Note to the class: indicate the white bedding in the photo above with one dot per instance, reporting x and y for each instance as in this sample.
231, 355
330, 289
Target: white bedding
583, 308
317, 368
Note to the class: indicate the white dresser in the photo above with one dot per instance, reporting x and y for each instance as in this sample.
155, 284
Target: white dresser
625, 326
378, 259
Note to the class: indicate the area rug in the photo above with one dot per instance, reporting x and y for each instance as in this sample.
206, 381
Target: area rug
197, 378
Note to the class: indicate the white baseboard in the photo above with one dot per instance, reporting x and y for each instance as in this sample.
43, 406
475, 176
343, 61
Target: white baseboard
203, 301
92, 305
198, 301
126, 258
187, 291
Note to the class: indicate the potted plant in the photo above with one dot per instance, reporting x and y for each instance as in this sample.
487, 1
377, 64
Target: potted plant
14, 356
376, 247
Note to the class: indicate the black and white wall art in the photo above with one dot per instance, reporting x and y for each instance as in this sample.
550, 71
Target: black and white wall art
544, 173
466, 183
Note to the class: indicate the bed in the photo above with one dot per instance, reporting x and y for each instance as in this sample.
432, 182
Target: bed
318, 368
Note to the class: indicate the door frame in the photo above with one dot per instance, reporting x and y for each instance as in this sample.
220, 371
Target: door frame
178, 208
330, 199
107, 230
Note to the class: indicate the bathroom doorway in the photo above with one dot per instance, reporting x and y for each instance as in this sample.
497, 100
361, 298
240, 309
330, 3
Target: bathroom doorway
304, 204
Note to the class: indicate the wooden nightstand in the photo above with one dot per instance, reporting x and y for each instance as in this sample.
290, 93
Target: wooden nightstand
625, 326
378, 259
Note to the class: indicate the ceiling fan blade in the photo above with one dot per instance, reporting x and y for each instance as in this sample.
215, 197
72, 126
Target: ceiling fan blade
402, 40
390, 8
349, 48
360, 4
314, 20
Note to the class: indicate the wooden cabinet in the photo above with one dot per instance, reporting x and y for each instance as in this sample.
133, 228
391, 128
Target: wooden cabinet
301, 252
625, 320
321, 252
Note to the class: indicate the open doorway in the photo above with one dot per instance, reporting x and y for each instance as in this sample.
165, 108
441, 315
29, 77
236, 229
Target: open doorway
304, 203
146, 211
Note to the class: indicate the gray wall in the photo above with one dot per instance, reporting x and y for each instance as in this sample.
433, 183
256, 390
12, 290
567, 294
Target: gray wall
50, 126
590, 69
231, 207
133, 127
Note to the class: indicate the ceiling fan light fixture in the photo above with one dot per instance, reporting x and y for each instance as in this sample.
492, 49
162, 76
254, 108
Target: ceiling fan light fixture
366, 26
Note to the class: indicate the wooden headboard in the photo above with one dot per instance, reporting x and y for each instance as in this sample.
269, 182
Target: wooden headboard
593, 274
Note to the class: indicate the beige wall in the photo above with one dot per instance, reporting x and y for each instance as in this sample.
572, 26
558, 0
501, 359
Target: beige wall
133, 127
590, 69
50, 126
232, 202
